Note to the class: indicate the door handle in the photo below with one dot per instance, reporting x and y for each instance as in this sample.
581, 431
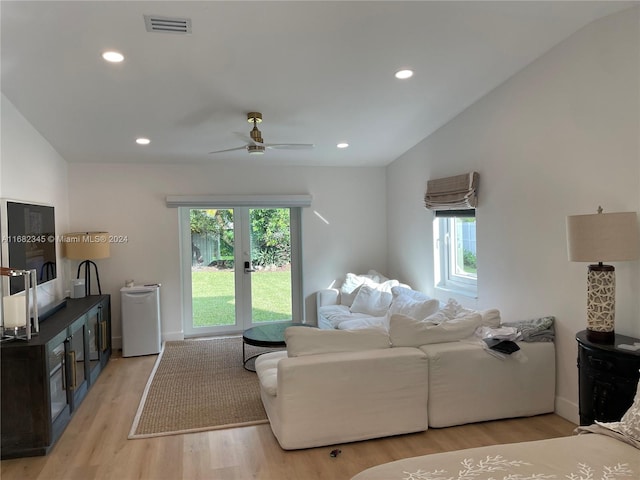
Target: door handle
248, 268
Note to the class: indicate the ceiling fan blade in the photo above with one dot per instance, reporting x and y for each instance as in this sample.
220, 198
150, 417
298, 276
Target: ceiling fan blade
230, 149
289, 146
247, 138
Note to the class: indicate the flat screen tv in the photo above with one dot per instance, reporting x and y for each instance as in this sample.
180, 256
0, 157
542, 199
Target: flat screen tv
28, 237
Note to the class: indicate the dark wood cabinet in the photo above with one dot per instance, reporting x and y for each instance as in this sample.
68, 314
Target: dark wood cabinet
45, 380
608, 378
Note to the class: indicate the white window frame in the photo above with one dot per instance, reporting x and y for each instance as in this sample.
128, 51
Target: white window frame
444, 249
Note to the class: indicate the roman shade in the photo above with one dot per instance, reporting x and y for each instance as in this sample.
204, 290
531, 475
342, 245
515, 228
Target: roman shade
222, 201
452, 193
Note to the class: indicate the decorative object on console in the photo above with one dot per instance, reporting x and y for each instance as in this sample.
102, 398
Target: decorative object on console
602, 237
87, 246
16, 311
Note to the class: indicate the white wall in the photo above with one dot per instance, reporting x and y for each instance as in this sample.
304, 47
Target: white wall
130, 200
558, 138
32, 171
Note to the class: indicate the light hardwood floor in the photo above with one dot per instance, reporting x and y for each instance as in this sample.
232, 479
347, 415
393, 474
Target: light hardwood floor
95, 445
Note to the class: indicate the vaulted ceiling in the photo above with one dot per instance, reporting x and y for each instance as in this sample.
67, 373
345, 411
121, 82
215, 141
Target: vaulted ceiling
319, 72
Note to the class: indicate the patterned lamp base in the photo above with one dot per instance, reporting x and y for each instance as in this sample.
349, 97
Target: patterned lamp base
601, 303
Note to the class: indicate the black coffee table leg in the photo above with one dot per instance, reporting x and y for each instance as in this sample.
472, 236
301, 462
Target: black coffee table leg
249, 364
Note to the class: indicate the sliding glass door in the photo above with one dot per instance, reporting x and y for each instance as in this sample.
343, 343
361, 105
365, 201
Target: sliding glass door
240, 268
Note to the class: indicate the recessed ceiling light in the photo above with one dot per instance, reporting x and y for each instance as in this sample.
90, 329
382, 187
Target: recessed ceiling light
143, 141
113, 56
342, 145
404, 74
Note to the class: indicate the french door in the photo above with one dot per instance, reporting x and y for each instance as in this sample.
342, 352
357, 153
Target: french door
240, 268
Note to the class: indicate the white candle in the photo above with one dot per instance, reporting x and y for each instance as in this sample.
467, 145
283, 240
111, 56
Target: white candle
15, 311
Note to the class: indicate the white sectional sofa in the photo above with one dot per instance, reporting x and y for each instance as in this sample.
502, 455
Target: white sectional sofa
368, 300
336, 386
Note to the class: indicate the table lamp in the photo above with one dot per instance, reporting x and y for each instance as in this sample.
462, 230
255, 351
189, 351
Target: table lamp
87, 246
602, 237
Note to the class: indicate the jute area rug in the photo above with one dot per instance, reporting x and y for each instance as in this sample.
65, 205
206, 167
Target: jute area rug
199, 385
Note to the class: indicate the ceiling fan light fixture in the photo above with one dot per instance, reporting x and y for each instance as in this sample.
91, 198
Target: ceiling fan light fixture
113, 56
255, 149
404, 74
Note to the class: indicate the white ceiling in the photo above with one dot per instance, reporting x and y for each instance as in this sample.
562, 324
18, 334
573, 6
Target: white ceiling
320, 72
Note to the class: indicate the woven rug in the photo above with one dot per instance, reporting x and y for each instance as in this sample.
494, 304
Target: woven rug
199, 385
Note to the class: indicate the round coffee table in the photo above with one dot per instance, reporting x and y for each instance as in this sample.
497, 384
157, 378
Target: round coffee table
269, 335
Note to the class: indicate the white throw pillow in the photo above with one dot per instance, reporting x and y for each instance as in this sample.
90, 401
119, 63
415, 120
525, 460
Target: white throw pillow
491, 318
408, 332
412, 303
406, 291
452, 310
351, 285
377, 276
303, 341
372, 301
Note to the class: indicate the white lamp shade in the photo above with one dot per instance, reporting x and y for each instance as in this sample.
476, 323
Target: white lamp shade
603, 237
86, 245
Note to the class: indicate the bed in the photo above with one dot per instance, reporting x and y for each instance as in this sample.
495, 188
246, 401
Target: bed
592, 456
603, 451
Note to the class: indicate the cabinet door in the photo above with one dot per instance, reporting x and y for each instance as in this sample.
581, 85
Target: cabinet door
104, 337
60, 395
58, 381
95, 352
78, 359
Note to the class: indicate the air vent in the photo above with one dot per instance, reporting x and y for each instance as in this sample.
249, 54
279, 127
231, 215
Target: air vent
155, 23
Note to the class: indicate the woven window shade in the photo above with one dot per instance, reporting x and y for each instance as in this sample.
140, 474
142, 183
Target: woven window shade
452, 193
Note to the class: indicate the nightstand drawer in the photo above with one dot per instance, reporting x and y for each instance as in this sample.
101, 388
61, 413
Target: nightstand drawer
610, 364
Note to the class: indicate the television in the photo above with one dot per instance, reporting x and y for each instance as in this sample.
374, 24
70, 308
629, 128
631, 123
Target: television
28, 241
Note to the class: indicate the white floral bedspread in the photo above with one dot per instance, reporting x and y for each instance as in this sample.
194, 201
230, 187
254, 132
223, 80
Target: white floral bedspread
581, 457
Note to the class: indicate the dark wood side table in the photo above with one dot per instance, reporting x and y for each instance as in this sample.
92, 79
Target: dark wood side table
608, 378
269, 335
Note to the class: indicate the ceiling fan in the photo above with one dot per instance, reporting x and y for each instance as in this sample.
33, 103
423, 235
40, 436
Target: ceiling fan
256, 145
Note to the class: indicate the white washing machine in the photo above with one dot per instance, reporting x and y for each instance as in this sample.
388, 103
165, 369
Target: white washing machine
140, 307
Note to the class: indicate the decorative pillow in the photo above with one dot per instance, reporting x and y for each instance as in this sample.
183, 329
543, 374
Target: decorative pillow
408, 332
303, 341
377, 276
491, 318
418, 307
452, 310
372, 301
408, 292
350, 286
629, 424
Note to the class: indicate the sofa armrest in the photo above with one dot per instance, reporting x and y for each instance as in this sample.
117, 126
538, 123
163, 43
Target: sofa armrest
328, 296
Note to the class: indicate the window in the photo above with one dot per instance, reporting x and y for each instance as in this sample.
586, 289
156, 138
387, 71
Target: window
455, 251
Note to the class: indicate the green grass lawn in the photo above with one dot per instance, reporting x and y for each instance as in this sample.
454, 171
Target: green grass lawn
214, 297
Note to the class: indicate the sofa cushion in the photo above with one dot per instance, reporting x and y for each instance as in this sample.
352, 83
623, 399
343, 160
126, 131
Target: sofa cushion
405, 331
337, 314
372, 300
381, 323
312, 341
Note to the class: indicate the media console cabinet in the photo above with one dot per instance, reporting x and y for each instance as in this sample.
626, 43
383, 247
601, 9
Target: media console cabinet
45, 379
